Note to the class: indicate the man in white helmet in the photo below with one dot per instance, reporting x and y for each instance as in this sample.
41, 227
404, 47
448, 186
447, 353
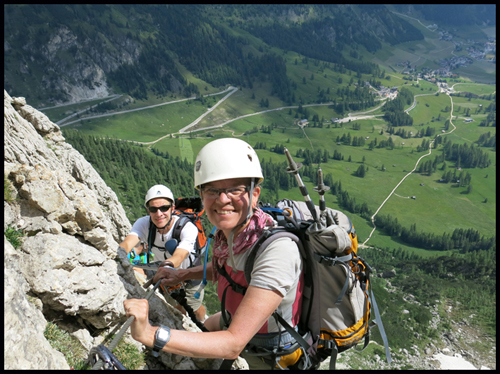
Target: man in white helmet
227, 174
159, 203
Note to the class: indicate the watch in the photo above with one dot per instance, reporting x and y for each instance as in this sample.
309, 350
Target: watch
162, 336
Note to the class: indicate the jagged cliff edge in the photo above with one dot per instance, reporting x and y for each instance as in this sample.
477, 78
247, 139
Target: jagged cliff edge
68, 269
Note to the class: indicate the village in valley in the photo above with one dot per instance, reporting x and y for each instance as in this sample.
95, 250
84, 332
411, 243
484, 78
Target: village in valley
476, 51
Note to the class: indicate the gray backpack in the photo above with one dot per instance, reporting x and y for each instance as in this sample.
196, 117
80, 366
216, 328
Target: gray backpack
336, 301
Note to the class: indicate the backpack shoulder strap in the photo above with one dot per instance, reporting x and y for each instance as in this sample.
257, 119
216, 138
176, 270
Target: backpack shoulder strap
151, 239
179, 225
310, 315
261, 244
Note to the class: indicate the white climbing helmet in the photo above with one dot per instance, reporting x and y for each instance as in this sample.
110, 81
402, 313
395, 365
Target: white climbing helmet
159, 191
226, 158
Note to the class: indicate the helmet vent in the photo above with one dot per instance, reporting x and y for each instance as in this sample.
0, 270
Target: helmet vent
250, 157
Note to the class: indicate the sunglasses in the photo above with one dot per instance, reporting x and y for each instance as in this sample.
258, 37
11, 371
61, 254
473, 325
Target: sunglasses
163, 208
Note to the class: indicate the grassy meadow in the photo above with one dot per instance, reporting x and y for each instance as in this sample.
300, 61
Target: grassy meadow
477, 89
437, 207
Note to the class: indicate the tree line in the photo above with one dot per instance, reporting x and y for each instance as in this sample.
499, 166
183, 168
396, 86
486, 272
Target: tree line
486, 140
130, 171
468, 279
394, 109
466, 240
466, 156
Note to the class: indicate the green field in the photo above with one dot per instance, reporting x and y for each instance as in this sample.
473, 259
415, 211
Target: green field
435, 203
479, 71
146, 125
437, 207
478, 89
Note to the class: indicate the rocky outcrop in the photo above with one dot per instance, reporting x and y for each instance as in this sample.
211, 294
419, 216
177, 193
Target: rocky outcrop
73, 66
68, 269
25, 344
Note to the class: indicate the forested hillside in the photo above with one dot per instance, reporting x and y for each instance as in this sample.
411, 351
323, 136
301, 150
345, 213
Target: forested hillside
140, 49
130, 171
461, 14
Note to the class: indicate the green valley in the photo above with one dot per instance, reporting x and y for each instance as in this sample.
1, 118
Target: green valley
418, 181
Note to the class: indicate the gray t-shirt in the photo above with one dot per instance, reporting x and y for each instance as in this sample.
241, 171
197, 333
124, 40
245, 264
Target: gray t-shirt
278, 268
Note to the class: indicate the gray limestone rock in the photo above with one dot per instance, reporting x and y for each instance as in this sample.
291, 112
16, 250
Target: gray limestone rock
69, 260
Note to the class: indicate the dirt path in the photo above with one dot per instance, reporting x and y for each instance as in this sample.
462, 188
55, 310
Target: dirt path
363, 245
196, 121
142, 108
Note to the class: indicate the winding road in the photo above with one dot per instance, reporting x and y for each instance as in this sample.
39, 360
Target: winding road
363, 245
230, 88
351, 116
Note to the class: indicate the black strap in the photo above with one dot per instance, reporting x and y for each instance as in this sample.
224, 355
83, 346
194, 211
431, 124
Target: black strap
226, 365
178, 226
151, 239
303, 343
177, 229
180, 297
183, 219
333, 356
236, 288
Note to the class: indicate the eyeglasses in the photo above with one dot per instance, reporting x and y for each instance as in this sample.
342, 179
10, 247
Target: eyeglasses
233, 192
163, 208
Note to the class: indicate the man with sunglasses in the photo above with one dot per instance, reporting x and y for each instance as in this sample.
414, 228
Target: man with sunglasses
159, 203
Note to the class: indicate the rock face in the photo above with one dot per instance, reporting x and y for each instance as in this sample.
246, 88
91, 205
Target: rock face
84, 75
69, 269
24, 322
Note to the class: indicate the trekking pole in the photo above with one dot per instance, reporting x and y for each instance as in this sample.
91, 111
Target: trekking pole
126, 325
294, 168
321, 189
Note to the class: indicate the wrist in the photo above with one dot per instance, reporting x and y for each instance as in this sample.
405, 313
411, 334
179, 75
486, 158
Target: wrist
182, 274
168, 263
162, 337
149, 336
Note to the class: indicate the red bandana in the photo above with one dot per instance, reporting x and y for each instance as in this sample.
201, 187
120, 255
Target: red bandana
245, 239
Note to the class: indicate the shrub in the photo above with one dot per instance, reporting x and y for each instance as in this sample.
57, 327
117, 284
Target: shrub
14, 236
7, 189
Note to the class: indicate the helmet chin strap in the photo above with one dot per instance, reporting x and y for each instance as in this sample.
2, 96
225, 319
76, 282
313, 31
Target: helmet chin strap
233, 231
162, 228
168, 223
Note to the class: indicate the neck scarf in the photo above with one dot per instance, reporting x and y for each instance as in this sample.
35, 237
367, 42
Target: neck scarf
245, 239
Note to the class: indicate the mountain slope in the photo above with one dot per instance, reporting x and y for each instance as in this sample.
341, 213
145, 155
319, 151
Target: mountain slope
67, 53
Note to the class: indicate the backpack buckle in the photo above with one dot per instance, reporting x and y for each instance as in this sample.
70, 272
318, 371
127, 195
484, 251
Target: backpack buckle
326, 343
